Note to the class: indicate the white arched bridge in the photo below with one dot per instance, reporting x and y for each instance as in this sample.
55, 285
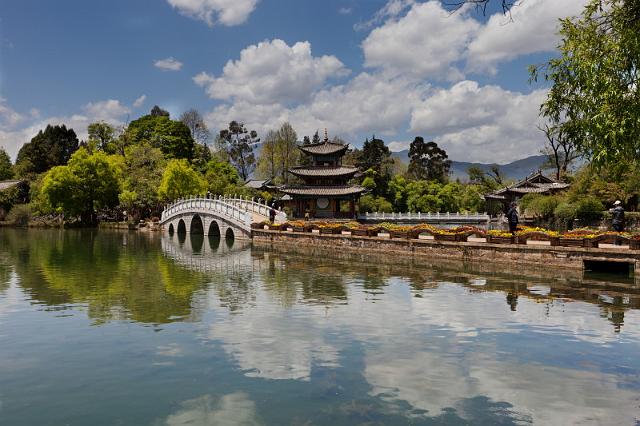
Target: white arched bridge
230, 217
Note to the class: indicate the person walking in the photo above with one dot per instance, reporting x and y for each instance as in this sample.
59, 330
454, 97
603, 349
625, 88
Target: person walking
512, 217
272, 214
617, 216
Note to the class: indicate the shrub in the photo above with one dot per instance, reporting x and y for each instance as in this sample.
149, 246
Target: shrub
542, 206
588, 209
20, 215
565, 212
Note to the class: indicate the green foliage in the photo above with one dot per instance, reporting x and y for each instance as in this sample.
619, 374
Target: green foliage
89, 182
142, 170
172, 137
102, 135
8, 198
538, 205
595, 95
428, 161
180, 180
222, 178
375, 155
565, 212
51, 147
369, 204
20, 215
6, 169
278, 154
589, 209
238, 143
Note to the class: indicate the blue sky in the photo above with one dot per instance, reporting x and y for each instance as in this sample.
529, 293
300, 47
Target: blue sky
397, 68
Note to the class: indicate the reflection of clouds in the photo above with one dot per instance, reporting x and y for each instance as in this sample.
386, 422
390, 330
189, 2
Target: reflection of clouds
170, 350
270, 346
232, 409
548, 395
11, 297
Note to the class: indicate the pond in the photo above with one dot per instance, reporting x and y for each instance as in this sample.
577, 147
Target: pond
116, 328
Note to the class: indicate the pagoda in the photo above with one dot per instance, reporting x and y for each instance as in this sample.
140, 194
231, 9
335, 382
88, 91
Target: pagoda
326, 192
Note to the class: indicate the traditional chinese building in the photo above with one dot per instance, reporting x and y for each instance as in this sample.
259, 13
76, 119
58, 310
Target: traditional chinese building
326, 192
536, 183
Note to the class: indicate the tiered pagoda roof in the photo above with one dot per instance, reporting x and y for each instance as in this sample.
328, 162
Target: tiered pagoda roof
345, 172
323, 191
536, 183
324, 148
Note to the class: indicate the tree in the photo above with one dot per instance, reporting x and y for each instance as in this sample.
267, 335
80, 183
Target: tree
560, 151
88, 183
143, 167
180, 180
51, 147
238, 142
268, 159
594, 100
6, 169
286, 150
102, 135
222, 178
172, 137
199, 130
156, 111
488, 180
376, 155
428, 161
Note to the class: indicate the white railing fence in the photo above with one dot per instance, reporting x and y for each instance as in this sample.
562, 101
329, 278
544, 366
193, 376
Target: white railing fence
428, 217
237, 208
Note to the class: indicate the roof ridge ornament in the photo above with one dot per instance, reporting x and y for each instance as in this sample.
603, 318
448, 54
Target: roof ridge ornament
326, 135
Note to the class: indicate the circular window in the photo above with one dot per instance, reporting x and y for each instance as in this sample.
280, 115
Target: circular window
322, 203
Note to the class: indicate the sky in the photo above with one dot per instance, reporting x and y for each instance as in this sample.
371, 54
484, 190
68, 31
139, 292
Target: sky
395, 69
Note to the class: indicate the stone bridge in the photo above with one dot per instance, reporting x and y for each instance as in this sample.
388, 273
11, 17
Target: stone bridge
216, 217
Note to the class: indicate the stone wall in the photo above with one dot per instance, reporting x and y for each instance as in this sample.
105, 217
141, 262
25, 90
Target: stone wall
470, 252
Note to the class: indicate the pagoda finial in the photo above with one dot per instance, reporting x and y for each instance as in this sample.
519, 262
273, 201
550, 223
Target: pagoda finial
326, 135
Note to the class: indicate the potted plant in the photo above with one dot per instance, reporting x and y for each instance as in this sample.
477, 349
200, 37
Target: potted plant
499, 237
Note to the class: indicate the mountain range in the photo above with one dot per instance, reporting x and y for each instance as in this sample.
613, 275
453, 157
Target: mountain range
515, 170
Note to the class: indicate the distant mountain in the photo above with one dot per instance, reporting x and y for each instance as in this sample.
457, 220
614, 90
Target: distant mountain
515, 170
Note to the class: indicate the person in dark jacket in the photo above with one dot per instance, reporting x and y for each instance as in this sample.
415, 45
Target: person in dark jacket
512, 217
617, 216
272, 214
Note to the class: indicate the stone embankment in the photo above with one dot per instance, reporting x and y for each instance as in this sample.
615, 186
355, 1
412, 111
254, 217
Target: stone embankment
474, 252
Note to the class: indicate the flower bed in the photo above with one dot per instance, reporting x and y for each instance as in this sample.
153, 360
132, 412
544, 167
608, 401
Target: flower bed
526, 235
499, 237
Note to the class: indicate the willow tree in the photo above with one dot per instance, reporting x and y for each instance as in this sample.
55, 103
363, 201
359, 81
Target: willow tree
594, 100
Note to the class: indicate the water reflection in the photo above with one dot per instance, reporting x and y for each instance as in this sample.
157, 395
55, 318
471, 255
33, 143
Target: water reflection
266, 335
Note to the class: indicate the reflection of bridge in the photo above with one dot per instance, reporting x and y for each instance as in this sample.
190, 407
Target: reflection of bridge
207, 254
228, 217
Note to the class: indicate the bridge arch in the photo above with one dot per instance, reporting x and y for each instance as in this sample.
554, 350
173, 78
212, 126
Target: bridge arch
182, 228
197, 227
171, 230
214, 229
229, 235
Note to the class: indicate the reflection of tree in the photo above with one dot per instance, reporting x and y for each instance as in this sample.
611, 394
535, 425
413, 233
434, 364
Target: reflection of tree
118, 275
5, 275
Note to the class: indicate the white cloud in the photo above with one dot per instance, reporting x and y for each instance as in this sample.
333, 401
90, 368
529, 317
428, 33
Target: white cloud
427, 42
111, 111
345, 11
225, 12
397, 146
168, 64
368, 103
140, 101
272, 72
391, 9
8, 116
481, 123
533, 28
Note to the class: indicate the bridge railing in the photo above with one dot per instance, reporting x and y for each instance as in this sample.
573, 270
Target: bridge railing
427, 217
213, 204
258, 206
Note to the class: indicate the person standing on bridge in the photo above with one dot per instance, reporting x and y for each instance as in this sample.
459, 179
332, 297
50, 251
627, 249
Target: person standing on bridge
512, 217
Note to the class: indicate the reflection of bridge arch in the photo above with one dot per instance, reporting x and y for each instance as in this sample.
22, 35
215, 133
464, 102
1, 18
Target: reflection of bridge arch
206, 254
199, 214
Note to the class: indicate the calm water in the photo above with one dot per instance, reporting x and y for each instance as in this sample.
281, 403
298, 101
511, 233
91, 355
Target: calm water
106, 328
